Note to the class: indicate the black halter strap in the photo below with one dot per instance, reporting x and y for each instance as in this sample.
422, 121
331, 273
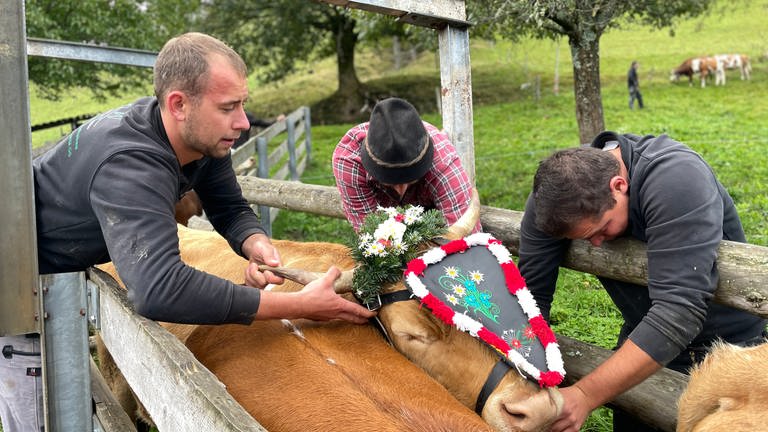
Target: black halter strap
494, 378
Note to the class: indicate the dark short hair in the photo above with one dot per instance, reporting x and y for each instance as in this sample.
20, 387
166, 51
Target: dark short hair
572, 185
182, 64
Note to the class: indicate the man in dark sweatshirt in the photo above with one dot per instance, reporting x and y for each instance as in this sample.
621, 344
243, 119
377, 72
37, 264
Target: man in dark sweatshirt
661, 192
108, 190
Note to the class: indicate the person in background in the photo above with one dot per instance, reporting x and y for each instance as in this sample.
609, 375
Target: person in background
633, 84
107, 192
658, 191
397, 159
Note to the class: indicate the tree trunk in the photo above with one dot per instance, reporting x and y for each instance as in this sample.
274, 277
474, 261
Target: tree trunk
346, 40
348, 104
585, 52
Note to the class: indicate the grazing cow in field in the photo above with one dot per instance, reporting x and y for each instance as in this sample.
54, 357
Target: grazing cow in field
268, 367
735, 61
728, 391
704, 66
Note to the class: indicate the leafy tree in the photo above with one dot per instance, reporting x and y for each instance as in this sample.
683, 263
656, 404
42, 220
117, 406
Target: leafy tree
121, 23
583, 22
275, 36
278, 36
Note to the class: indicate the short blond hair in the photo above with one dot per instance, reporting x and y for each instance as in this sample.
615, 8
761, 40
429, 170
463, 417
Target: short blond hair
183, 64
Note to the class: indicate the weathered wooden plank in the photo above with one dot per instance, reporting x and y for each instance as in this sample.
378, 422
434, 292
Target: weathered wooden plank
654, 400
743, 267
107, 409
278, 153
177, 391
456, 94
417, 12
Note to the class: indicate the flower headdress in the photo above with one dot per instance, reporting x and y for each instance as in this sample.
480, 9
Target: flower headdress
388, 240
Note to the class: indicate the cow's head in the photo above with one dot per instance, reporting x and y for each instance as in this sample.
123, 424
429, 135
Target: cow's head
459, 361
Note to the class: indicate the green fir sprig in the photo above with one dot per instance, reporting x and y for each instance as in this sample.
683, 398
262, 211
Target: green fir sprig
388, 239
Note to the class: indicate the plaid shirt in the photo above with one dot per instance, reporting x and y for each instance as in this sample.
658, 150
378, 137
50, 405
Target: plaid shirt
444, 187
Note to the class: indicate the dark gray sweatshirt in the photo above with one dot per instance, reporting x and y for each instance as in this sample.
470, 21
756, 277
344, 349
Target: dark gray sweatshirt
107, 192
682, 212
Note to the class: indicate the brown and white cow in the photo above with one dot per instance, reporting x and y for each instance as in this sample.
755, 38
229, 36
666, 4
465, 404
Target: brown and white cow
704, 66
735, 61
275, 356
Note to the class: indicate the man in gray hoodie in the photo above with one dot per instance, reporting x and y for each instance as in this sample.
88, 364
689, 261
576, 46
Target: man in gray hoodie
658, 191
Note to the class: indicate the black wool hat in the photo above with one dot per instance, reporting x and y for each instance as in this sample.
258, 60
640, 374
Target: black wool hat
398, 149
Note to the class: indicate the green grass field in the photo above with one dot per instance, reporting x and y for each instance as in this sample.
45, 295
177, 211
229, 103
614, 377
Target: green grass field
513, 130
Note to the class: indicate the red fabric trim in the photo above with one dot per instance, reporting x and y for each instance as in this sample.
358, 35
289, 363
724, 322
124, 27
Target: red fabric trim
550, 379
438, 308
542, 330
492, 339
416, 266
515, 281
455, 246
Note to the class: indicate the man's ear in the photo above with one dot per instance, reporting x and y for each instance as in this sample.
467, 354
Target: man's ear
619, 184
177, 104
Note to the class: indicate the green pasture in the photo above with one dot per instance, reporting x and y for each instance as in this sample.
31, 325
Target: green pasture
513, 129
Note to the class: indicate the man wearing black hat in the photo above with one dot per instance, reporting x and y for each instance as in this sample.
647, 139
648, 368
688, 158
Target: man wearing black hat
397, 159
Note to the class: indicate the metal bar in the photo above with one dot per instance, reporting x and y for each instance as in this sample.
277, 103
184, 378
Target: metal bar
292, 150
18, 249
90, 53
263, 172
456, 91
308, 133
65, 352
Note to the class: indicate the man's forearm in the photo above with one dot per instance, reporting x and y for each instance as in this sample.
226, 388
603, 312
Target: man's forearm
626, 368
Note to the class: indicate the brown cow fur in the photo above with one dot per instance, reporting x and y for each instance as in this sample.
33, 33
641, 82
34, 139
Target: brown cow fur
189, 205
728, 391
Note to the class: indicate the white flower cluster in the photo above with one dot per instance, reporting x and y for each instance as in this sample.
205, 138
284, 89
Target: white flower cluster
388, 237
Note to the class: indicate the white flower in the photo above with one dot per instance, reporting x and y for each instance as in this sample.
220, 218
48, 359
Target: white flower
451, 272
376, 248
459, 290
399, 248
452, 299
390, 211
476, 276
412, 215
390, 229
414, 211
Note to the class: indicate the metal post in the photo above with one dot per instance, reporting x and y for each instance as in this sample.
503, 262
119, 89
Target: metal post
18, 249
65, 352
308, 133
291, 131
263, 172
456, 82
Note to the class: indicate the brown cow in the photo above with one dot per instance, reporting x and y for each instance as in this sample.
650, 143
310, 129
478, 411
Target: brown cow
728, 391
735, 61
454, 358
704, 66
303, 375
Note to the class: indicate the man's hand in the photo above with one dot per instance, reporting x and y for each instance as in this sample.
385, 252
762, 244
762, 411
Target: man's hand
321, 302
317, 301
576, 408
260, 250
